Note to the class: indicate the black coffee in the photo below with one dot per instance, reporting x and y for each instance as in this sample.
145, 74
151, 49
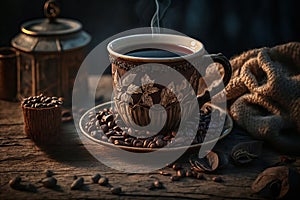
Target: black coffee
171, 51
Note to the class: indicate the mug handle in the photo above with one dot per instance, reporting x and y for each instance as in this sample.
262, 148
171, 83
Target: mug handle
218, 58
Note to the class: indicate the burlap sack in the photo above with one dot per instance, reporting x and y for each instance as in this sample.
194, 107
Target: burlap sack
264, 94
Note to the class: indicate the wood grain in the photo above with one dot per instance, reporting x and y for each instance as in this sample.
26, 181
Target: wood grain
68, 157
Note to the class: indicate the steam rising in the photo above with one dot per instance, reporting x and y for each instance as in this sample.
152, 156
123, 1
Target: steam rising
158, 15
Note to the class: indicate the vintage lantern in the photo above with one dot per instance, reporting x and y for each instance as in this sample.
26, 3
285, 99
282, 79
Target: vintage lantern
51, 51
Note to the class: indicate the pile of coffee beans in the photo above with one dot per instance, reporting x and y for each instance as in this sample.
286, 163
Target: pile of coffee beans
106, 125
42, 101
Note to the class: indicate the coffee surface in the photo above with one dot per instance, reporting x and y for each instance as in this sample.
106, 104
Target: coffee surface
163, 52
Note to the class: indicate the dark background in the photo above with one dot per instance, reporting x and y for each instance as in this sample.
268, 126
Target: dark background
228, 26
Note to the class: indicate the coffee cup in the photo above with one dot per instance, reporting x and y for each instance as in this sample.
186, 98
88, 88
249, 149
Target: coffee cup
162, 54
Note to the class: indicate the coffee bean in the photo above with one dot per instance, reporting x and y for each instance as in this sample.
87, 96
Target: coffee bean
135, 142
117, 137
217, 179
49, 182
130, 140
152, 145
96, 178
77, 183
108, 118
145, 143
47, 100
41, 102
100, 115
111, 124
116, 190
125, 134
188, 173
48, 172
159, 143
117, 128
164, 173
157, 184
103, 181
110, 133
119, 142
15, 182
175, 178
181, 172
177, 166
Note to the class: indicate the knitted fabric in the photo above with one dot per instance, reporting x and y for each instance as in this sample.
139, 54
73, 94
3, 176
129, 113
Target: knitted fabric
264, 94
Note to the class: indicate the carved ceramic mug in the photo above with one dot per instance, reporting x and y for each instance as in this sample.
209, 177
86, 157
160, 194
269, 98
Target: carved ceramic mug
180, 53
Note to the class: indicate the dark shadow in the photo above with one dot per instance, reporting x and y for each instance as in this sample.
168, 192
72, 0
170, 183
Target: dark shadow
67, 147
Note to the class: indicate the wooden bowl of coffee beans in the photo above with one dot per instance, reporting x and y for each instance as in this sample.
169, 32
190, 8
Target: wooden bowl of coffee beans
42, 117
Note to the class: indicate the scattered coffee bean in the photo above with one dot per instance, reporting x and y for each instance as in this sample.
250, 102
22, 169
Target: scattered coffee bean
175, 178
48, 172
181, 172
41, 101
103, 181
158, 184
116, 190
49, 182
217, 179
176, 166
96, 178
188, 173
77, 183
164, 173
15, 182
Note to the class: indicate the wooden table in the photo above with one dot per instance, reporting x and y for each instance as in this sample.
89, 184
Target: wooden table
68, 157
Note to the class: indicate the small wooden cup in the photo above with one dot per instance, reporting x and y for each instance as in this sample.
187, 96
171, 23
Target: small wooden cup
42, 125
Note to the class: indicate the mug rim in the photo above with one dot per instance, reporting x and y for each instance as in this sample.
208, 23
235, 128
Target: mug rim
196, 47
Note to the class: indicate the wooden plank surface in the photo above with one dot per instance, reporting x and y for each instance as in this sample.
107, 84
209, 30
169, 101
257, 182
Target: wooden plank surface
68, 157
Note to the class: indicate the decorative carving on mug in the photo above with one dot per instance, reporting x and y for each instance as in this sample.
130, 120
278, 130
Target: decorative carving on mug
125, 88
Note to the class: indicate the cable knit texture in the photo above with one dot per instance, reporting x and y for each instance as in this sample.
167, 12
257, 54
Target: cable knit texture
265, 94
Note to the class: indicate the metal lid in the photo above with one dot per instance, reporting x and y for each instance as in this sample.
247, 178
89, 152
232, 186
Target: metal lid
51, 34
45, 27
52, 25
